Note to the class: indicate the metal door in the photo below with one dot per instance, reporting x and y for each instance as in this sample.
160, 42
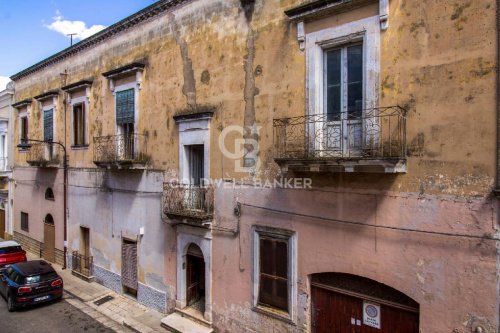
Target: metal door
49, 242
129, 264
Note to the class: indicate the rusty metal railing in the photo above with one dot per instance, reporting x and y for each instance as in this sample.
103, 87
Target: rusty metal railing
44, 154
188, 200
127, 148
82, 264
377, 133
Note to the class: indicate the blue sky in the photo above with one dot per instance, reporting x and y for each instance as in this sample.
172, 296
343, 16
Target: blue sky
32, 30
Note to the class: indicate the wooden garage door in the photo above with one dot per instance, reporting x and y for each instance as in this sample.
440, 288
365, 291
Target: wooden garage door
334, 310
129, 264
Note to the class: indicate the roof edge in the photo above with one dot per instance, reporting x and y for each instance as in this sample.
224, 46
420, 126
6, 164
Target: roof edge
128, 22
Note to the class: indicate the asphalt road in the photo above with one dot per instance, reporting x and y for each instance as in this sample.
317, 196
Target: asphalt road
54, 317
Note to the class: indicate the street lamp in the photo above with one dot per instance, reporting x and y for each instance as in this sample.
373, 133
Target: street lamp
26, 145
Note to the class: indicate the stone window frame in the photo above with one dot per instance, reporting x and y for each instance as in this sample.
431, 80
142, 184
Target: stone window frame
51, 105
291, 237
23, 115
126, 86
367, 31
83, 100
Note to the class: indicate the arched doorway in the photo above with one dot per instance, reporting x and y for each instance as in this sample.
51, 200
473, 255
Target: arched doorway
49, 239
195, 279
347, 303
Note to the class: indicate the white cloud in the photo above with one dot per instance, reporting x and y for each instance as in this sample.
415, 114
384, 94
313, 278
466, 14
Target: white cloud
3, 82
79, 28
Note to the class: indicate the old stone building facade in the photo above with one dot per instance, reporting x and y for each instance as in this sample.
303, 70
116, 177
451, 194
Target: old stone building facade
259, 165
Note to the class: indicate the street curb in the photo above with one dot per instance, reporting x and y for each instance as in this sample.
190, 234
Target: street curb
130, 327
74, 295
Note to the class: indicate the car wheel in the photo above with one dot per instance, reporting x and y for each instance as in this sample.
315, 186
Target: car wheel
10, 304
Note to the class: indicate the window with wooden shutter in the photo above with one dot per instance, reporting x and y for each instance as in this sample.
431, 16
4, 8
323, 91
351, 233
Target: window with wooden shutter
24, 221
48, 125
79, 124
273, 279
125, 106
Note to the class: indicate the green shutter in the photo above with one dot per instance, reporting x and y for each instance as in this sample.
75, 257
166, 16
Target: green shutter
125, 106
48, 125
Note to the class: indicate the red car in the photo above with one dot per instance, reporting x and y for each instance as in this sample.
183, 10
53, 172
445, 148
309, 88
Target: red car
11, 253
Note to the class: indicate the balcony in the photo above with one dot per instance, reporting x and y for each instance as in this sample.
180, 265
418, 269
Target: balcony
82, 266
121, 151
371, 140
44, 155
189, 203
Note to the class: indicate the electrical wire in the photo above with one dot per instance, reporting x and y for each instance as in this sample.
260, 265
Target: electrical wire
376, 226
30, 181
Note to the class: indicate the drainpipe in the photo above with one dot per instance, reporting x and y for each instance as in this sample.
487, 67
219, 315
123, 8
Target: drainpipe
64, 77
497, 94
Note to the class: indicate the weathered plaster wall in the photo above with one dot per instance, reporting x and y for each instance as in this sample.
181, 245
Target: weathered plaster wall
437, 60
114, 205
453, 279
29, 190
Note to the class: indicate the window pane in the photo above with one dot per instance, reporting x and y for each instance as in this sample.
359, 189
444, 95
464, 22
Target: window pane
78, 126
333, 84
41, 278
281, 297
24, 129
266, 256
355, 80
281, 259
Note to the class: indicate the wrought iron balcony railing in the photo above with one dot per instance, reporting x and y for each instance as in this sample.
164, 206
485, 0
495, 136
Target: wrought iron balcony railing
44, 154
189, 201
121, 150
82, 264
378, 133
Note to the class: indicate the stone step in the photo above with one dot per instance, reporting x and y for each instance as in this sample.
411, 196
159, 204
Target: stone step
194, 315
177, 323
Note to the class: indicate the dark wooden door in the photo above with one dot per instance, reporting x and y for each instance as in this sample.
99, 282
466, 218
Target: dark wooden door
334, 312
129, 265
2, 223
195, 278
49, 242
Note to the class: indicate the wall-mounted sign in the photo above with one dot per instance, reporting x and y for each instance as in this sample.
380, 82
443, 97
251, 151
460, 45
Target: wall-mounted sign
371, 314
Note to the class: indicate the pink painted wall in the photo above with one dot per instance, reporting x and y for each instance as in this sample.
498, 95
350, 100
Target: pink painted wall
29, 190
453, 279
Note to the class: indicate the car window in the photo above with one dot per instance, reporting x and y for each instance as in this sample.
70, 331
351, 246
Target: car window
41, 278
10, 249
11, 274
6, 272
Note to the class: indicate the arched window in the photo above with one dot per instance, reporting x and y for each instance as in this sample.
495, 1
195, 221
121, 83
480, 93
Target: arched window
49, 194
48, 219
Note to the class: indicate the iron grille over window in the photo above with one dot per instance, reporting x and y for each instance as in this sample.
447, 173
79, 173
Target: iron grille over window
125, 105
48, 125
24, 221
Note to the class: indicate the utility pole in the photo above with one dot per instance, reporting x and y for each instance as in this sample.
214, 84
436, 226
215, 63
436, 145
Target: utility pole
71, 36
